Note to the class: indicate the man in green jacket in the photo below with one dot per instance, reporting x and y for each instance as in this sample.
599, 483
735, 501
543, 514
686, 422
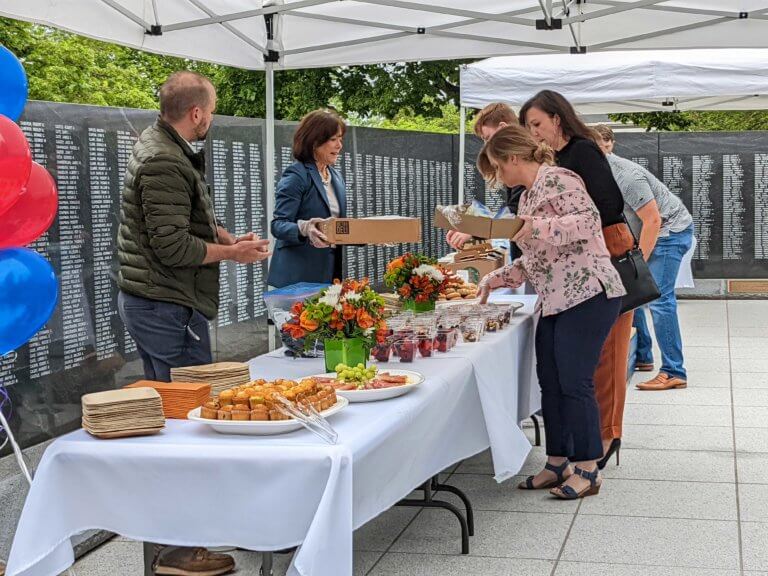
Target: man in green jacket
169, 247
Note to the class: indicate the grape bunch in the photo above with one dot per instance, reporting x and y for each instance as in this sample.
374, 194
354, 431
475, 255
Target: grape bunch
359, 374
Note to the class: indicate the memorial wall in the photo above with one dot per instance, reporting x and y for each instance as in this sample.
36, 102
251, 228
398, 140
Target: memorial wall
721, 177
84, 347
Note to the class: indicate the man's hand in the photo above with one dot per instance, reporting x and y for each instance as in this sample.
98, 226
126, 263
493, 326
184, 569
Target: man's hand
249, 236
250, 251
225, 237
456, 239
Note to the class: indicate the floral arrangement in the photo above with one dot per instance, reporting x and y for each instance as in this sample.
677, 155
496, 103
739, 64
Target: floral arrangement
349, 309
415, 277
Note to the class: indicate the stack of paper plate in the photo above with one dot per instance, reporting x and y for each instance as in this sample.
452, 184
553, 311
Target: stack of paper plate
220, 376
120, 413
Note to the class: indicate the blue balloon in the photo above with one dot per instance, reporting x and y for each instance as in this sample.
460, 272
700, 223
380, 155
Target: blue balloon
28, 294
13, 80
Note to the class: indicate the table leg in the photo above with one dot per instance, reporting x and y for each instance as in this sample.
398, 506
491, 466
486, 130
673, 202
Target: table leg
437, 487
537, 429
149, 558
430, 502
266, 564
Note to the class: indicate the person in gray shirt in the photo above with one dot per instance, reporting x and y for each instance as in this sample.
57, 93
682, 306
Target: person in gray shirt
641, 190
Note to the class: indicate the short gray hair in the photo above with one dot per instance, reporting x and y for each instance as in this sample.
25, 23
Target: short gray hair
182, 91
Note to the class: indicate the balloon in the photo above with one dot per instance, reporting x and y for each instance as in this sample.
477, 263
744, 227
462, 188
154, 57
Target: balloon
13, 96
28, 294
15, 163
34, 211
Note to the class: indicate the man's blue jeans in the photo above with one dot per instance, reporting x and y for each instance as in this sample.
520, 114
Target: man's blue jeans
167, 335
664, 265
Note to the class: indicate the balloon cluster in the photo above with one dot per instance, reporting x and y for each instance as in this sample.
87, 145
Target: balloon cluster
28, 204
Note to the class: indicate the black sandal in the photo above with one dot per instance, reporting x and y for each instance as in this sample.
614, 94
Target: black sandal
565, 492
528, 484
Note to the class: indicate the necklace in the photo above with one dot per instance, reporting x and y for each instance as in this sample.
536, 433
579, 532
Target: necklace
326, 179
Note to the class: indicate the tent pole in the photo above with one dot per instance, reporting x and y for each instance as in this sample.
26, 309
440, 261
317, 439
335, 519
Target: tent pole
462, 145
269, 144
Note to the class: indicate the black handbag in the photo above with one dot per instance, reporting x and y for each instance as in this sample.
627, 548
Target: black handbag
636, 276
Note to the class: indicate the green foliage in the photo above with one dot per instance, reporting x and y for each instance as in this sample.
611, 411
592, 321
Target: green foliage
64, 67
727, 121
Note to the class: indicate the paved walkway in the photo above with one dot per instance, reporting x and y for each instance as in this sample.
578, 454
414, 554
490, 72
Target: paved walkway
689, 499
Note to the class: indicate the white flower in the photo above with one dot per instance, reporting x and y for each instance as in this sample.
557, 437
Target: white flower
331, 296
431, 271
351, 296
369, 331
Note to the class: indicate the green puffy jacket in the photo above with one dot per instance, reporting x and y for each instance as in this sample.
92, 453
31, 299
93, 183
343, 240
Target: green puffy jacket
166, 219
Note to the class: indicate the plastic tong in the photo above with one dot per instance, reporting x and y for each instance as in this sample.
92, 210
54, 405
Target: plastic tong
310, 418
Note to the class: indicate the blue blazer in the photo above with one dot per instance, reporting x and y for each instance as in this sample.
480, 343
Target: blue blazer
301, 195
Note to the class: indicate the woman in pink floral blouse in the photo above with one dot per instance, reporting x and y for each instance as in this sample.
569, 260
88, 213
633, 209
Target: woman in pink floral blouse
566, 260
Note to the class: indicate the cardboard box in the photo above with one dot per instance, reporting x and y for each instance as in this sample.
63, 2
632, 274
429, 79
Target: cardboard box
481, 226
374, 230
476, 261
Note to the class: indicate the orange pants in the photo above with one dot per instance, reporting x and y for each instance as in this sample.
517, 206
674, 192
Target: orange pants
611, 377
611, 372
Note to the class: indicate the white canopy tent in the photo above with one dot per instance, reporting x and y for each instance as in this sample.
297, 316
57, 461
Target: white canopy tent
613, 82
284, 34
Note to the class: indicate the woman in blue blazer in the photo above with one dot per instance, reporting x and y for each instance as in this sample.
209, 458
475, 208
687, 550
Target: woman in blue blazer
310, 191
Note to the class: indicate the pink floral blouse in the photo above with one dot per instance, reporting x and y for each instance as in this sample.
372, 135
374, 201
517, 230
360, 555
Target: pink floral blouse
564, 254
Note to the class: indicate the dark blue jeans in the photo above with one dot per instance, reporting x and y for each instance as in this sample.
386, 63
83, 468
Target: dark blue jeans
664, 264
567, 352
167, 335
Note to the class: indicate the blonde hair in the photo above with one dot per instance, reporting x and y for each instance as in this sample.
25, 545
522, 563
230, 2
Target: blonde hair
493, 115
508, 142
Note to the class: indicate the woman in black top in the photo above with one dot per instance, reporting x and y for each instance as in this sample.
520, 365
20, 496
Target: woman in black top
551, 118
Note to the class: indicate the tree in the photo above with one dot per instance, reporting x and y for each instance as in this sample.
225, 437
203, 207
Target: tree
698, 121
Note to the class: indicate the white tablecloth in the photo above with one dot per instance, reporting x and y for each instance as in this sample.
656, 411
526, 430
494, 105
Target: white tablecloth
192, 486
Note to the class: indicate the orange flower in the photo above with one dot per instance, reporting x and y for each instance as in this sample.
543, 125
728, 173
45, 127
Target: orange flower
308, 323
297, 308
336, 323
364, 319
296, 332
348, 311
405, 291
396, 263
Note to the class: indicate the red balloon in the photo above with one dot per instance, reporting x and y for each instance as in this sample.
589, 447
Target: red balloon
34, 211
15, 163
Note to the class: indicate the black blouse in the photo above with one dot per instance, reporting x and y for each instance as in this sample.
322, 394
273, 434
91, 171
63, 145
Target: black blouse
583, 156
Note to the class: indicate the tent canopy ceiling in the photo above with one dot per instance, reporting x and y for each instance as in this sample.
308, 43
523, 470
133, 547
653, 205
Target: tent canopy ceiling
315, 33
610, 82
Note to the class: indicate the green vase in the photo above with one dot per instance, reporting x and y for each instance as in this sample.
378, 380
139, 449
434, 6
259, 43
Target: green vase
349, 351
410, 304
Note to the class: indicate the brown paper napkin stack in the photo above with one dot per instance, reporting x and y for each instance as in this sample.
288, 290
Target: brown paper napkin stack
220, 376
121, 413
178, 397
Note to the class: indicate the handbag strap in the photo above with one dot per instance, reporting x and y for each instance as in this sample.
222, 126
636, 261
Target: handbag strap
632, 232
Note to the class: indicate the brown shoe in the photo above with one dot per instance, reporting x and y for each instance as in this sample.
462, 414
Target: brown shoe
176, 561
642, 367
662, 382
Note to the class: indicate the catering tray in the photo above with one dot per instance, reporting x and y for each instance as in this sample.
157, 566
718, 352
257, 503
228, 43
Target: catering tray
414, 380
261, 427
